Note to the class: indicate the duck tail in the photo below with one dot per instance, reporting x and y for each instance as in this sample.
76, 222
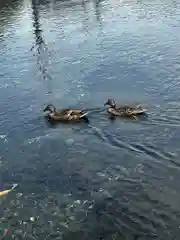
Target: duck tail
84, 117
139, 111
144, 110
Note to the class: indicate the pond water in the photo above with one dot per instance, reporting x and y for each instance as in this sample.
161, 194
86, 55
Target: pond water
107, 180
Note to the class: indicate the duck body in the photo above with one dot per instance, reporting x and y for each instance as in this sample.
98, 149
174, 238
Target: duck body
124, 110
65, 115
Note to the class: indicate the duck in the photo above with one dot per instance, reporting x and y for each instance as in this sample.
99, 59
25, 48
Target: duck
65, 115
131, 111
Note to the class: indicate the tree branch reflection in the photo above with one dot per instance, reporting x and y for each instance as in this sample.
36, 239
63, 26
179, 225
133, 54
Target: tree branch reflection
41, 49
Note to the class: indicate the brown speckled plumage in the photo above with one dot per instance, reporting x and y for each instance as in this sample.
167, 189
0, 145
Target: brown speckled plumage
65, 115
131, 111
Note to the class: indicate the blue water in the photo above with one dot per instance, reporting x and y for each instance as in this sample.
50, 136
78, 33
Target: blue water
103, 180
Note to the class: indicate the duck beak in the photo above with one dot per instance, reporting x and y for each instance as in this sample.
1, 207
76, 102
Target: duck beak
46, 109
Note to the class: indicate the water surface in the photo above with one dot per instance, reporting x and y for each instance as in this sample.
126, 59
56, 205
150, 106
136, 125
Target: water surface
102, 180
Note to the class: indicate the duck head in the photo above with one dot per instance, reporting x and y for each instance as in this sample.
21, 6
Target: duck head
50, 108
111, 103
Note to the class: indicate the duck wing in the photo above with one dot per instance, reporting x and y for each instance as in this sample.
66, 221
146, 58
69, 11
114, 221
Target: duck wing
115, 112
76, 112
68, 115
135, 111
69, 111
131, 109
62, 111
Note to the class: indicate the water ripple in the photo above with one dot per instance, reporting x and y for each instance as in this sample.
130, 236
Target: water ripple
106, 179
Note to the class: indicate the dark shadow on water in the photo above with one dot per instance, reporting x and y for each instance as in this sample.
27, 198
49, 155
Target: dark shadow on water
85, 18
97, 5
37, 28
40, 47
